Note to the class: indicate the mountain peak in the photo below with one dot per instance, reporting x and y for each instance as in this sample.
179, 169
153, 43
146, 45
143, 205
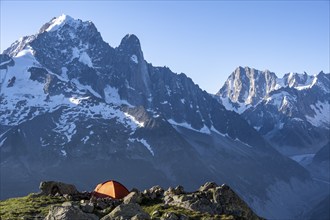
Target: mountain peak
131, 38
248, 85
131, 44
241, 69
58, 22
250, 69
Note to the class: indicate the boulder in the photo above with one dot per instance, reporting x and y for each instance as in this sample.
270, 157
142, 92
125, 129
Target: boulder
82, 195
133, 197
179, 190
68, 213
52, 188
231, 203
87, 207
138, 217
127, 211
207, 186
210, 199
67, 197
205, 206
176, 191
193, 202
154, 192
157, 190
135, 190
67, 204
102, 205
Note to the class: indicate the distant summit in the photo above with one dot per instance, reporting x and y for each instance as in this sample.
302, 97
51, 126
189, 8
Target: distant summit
292, 112
59, 22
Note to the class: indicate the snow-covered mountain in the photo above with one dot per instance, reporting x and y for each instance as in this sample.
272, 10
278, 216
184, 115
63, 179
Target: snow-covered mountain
246, 87
292, 113
75, 109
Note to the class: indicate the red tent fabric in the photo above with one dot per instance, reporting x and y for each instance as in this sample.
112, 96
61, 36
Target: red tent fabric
112, 189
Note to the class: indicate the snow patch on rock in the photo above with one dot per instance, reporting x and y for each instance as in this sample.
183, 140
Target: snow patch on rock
60, 21
134, 59
85, 59
303, 159
321, 116
112, 96
145, 143
133, 119
204, 129
63, 152
241, 107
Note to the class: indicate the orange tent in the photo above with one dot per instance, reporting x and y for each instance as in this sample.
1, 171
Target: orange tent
111, 189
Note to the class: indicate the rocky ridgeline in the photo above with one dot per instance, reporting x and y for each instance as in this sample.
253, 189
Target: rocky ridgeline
210, 201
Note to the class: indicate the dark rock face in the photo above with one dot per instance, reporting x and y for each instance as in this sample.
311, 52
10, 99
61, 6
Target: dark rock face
6, 61
39, 74
319, 166
323, 154
11, 82
133, 197
321, 210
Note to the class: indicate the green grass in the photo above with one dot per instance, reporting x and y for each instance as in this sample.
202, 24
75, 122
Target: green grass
28, 207
37, 207
153, 206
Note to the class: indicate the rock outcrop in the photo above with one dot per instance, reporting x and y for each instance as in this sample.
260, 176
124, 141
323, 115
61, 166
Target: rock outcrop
67, 211
210, 201
127, 211
52, 188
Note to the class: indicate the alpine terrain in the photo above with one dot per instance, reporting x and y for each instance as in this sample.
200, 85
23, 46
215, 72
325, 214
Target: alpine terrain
292, 113
77, 110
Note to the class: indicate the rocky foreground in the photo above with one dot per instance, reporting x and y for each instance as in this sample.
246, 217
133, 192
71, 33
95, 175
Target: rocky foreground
63, 201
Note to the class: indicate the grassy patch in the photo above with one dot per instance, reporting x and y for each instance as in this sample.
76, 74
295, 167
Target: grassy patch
151, 207
28, 207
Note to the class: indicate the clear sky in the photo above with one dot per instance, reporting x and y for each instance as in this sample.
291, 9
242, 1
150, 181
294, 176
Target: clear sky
206, 40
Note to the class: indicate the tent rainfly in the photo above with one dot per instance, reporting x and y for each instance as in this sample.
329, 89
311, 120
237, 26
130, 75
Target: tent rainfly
112, 189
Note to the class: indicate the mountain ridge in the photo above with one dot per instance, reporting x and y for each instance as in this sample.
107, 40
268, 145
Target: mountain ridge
281, 106
95, 107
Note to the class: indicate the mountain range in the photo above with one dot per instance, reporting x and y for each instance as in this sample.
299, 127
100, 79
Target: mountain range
75, 109
292, 112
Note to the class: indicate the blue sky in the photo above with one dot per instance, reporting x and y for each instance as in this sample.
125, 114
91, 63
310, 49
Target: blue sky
206, 40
